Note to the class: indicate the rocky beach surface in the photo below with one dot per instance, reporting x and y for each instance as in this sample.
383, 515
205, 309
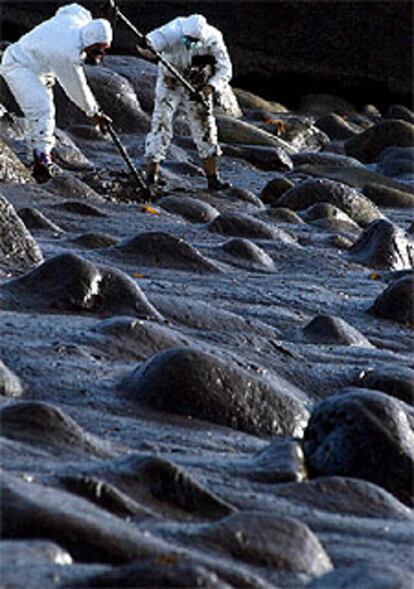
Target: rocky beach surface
216, 392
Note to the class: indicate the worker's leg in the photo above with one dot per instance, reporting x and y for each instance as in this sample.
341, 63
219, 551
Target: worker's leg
204, 132
35, 98
167, 99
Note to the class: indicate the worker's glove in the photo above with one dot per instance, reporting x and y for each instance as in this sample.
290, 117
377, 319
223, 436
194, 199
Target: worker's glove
207, 91
145, 44
101, 122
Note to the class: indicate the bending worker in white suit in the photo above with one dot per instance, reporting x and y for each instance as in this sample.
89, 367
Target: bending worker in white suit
55, 50
197, 51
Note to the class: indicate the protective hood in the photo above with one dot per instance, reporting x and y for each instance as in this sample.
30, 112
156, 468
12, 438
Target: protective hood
98, 30
194, 26
78, 14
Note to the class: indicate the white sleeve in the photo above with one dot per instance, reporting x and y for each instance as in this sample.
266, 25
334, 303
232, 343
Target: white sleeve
72, 78
165, 37
223, 68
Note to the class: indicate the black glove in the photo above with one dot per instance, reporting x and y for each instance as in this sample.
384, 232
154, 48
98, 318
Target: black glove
145, 43
102, 122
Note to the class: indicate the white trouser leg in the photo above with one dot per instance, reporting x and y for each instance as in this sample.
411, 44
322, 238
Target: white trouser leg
34, 95
159, 138
203, 128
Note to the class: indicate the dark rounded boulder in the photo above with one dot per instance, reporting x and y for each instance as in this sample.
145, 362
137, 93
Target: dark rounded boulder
274, 189
71, 284
34, 219
396, 381
68, 185
367, 146
199, 385
41, 424
362, 434
325, 329
247, 253
383, 245
396, 302
261, 157
324, 158
284, 215
353, 203
400, 112
80, 208
163, 250
192, 209
387, 196
268, 540
336, 127
328, 216
242, 225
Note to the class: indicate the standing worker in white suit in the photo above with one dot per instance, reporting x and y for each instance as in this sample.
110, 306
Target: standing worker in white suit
55, 50
197, 51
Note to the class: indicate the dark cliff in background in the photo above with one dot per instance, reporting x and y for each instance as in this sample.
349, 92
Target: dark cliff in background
283, 49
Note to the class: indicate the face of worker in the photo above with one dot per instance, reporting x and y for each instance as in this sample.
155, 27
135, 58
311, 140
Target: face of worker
95, 53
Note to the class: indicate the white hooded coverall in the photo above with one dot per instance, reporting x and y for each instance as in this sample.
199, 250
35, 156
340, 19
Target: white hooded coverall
169, 93
52, 51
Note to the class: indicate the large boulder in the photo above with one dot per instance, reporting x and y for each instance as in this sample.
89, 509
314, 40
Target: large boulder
396, 302
363, 434
114, 94
18, 249
367, 146
352, 202
383, 245
239, 132
11, 168
199, 385
162, 250
242, 225
325, 329
71, 284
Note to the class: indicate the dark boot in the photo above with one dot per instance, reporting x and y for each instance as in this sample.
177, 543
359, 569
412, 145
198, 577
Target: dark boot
42, 167
214, 182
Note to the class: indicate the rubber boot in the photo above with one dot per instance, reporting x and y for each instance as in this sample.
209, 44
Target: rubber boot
153, 175
214, 182
42, 167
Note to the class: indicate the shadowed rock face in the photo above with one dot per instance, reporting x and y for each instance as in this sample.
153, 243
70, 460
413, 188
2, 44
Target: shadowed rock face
383, 245
285, 544
247, 253
18, 553
34, 219
345, 433
11, 168
396, 302
396, 381
196, 384
352, 202
367, 146
192, 209
18, 249
70, 283
87, 532
246, 226
44, 425
165, 251
163, 487
324, 329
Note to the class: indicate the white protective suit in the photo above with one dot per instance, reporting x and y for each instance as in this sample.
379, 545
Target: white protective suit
169, 93
52, 51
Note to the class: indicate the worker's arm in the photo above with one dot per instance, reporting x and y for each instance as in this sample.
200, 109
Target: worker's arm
71, 76
223, 68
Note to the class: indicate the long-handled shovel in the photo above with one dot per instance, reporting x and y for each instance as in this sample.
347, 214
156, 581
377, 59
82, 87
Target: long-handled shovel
195, 94
144, 189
